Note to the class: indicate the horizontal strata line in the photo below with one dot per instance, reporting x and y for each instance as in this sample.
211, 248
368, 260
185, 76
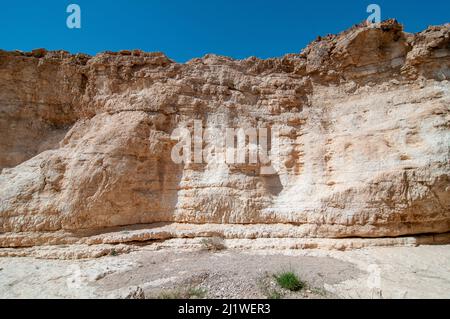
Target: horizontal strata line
89, 250
170, 226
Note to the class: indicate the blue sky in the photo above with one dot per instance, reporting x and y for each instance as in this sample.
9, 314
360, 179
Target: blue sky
192, 28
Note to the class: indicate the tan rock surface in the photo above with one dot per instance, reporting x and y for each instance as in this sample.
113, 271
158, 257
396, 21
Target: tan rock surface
363, 122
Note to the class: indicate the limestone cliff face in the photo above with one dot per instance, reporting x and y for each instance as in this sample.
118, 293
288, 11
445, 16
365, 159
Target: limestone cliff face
363, 122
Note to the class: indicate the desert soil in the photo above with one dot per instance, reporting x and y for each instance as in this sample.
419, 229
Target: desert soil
387, 272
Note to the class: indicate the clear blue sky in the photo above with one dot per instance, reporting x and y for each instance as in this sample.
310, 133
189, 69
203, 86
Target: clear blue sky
192, 28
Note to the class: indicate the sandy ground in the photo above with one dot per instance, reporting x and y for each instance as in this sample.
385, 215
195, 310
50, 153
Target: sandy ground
389, 272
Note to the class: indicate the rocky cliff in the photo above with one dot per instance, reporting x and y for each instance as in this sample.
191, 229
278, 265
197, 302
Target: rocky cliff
362, 122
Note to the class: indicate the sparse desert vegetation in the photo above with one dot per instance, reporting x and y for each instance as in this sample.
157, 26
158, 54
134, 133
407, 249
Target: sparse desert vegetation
183, 293
289, 280
213, 244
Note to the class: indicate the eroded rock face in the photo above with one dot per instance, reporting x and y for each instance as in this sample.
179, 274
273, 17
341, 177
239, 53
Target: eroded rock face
362, 120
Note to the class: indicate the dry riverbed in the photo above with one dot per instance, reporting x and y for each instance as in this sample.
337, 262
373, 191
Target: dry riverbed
174, 272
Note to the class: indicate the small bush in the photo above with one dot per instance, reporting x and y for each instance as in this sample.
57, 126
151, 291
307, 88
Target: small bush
213, 244
289, 280
189, 293
274, 295
196, 293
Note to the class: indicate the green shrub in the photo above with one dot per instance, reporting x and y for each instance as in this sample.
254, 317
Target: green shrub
289, 280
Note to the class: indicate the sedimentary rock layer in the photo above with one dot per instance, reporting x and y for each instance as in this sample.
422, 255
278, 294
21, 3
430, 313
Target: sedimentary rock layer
363, 130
